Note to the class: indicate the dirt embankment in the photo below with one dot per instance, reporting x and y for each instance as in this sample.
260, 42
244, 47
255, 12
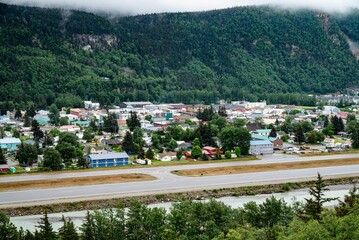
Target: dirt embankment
265, 167
73, 182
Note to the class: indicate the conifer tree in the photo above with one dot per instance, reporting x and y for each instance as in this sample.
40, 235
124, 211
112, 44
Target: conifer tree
18, 114
8, 230
127, 144
110, 123
299, 135
27, 121
273, 133
218, 155
326, 121
314, 206
46, 231
68, 230
150, 154
35, 128
88, 228
133, 121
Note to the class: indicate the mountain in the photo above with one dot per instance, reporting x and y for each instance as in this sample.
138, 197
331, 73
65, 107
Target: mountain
254, 53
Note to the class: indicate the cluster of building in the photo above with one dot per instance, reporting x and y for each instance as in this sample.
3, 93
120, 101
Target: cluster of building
160, 116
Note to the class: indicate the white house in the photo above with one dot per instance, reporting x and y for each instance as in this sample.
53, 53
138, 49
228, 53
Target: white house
167, 156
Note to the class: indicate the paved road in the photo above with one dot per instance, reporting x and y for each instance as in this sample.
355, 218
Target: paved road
160, 171
167, 182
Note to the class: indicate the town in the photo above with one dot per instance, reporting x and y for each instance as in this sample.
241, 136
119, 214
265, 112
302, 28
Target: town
146, 133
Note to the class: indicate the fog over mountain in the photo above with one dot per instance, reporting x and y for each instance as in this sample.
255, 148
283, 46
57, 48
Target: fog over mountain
133, 7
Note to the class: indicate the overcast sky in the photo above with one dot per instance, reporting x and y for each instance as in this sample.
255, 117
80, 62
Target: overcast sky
157, 6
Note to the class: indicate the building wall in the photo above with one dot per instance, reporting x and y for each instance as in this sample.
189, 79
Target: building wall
109, 162
261, 149
10, 146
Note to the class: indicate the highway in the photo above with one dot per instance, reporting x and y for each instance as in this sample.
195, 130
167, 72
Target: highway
167, 182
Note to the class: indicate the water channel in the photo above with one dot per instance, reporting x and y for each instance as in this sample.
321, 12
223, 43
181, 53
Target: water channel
339, 191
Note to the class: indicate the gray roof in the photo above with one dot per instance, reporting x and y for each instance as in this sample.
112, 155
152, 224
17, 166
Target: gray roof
260, 142
108, 156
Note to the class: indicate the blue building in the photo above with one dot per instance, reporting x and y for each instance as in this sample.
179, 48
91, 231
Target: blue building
10, 144
108, 159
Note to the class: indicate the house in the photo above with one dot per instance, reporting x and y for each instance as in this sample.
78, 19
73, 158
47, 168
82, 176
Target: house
184, 145
163, 125
42, 119
4, 168
91, 105
79, 112
252, 127
187, 154
260, 147
81, 123
107, 159
97, 150
263, 132
71, 117
210, 151
135, 104
196, 108
4, 119
277, 144
167, 156
10, 144
111, 142
70, 128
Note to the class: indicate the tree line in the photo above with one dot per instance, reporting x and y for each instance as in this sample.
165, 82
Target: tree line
200, 58
270, 220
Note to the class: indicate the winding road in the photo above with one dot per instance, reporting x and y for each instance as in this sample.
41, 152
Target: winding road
167, 182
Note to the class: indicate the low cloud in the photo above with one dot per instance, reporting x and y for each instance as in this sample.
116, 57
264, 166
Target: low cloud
132, 7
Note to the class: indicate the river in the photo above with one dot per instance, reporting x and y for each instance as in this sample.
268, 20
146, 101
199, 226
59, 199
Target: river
30, 222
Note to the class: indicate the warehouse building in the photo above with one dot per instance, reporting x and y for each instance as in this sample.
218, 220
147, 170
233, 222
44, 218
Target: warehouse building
107, 159
260, 147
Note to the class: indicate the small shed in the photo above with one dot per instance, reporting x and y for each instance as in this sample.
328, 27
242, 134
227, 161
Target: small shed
108, 159
278, 144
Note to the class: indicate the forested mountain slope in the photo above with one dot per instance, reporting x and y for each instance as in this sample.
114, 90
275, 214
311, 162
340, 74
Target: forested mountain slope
253, 53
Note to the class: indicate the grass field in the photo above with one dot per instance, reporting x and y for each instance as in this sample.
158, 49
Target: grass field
265, 167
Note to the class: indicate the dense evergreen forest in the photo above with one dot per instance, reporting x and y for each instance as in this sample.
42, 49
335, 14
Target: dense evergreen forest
253, 53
